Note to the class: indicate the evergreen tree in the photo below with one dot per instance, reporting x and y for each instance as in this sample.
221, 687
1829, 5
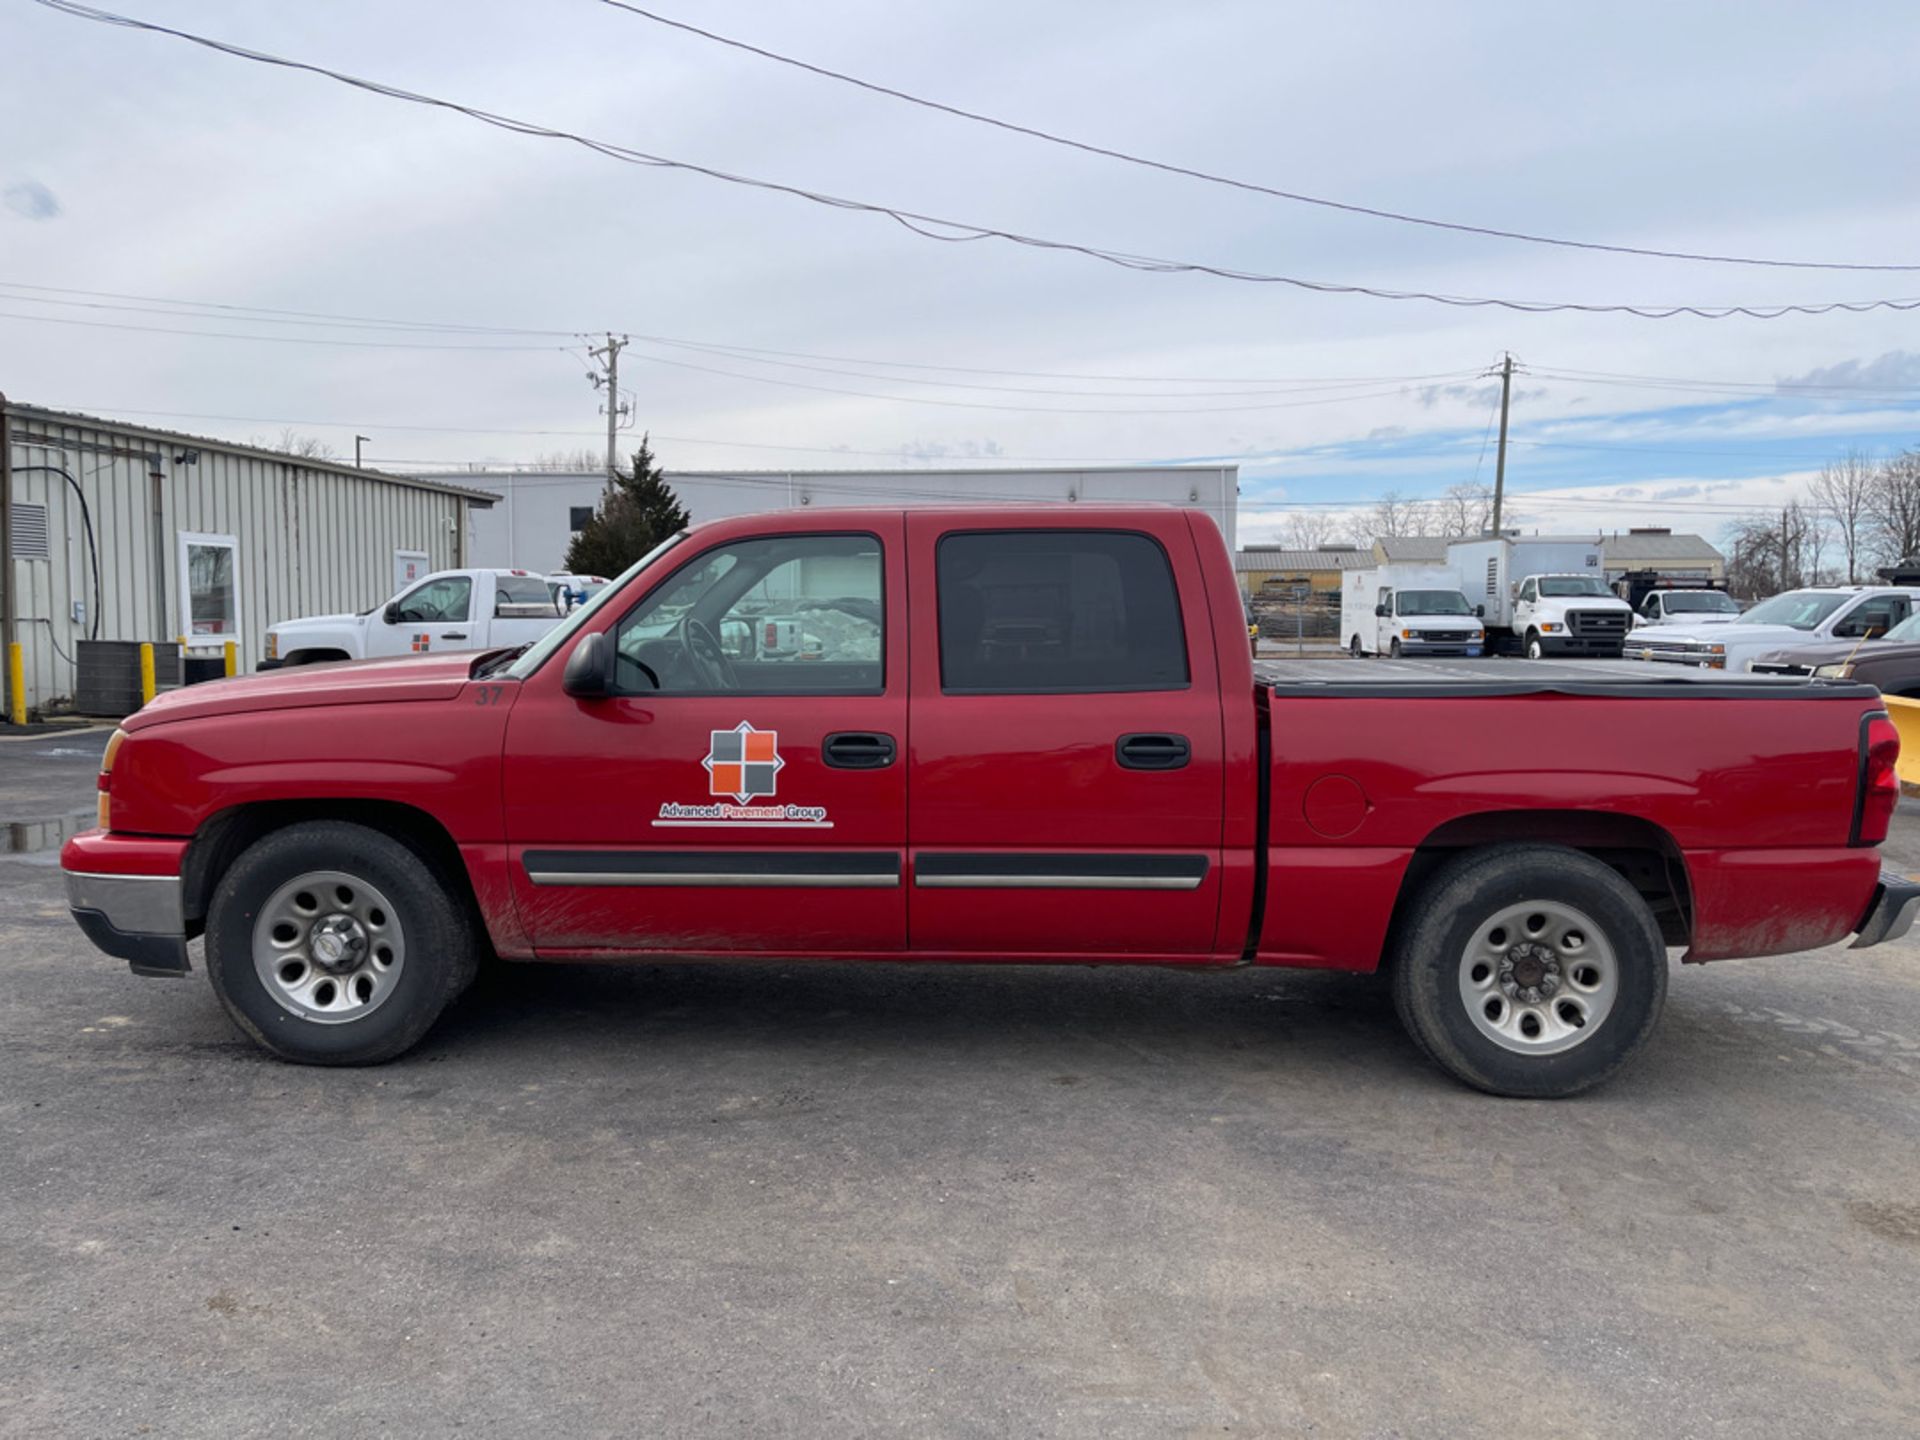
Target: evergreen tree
637, 513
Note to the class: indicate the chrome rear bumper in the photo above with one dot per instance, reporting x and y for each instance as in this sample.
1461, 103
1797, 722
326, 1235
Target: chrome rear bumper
1896, 904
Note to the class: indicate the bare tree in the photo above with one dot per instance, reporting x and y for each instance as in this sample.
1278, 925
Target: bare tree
593, 462
1893, 507
1770, 551
1843, 492
1394, 514
1310, 529
306, 447
1465, 509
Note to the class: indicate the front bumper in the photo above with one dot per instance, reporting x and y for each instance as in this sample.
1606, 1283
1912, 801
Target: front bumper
132, 916
1606, 647
1896, 904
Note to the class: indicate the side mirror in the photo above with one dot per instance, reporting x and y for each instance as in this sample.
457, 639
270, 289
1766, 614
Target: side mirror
589, 672
1381, 611
392, 613
1479, 612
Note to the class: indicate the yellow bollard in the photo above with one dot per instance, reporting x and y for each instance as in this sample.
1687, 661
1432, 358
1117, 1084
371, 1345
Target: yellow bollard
146, 673
233, 657
17, 683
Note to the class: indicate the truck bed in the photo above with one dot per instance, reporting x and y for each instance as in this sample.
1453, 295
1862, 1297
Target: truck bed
1468, 679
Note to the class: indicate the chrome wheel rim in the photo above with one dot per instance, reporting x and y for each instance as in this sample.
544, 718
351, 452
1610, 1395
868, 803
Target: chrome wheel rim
1538, 978
328, 947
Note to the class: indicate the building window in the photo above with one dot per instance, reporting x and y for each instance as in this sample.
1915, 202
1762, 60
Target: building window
209, 587
578, 517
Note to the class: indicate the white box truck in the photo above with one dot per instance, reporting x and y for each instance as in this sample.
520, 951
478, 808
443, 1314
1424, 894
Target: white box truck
1543, 595
1407, 610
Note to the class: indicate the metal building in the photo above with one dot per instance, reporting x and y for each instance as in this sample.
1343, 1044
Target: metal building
118, 531
539, 510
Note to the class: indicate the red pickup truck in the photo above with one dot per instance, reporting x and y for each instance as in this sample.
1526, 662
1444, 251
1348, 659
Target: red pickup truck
1026, 734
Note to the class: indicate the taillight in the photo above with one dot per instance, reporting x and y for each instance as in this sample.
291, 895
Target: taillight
1879, 779
103, 805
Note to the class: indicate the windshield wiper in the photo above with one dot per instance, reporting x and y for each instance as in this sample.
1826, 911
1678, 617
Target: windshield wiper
499, 660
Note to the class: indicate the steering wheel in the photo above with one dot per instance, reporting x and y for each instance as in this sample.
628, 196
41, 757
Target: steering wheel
704, 655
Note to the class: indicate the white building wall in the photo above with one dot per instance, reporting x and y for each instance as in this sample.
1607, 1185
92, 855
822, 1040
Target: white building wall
312, 537
529, 527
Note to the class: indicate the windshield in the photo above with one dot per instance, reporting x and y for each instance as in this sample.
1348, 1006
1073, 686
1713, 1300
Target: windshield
1908, 630
1433, 602
535, 655
1797, 609
1700, 602
1564, 585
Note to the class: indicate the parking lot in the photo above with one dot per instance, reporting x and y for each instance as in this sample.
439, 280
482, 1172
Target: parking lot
834, 1200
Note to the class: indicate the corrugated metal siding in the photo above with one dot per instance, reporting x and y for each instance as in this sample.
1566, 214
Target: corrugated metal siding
309, 540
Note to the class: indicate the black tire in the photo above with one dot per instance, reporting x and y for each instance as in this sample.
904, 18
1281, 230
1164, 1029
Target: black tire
1430, 960
1393, 649
1355, 649
1535, 650
439, 959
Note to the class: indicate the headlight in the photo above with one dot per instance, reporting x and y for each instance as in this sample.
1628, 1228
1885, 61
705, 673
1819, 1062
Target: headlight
1842, 671
1547, 627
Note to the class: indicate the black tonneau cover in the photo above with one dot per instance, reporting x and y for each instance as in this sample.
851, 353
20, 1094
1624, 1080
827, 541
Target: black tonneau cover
1482, 679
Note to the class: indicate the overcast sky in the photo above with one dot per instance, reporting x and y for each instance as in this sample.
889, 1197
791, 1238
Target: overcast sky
137, 164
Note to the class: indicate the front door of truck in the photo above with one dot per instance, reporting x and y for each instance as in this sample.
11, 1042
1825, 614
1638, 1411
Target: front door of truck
1065, 791
436, 614
745, 788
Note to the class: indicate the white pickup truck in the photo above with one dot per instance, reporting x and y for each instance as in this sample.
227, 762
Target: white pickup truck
447, 610
1799, 617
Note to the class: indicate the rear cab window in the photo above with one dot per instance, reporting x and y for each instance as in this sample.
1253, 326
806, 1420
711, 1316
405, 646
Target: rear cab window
1028, 612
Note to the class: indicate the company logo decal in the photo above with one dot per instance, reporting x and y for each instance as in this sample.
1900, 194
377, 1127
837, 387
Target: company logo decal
742, 762
743, 765
422, 642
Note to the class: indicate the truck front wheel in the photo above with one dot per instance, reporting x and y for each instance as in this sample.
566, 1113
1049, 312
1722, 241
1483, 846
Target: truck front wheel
1529, 970
1535, 650
335, 944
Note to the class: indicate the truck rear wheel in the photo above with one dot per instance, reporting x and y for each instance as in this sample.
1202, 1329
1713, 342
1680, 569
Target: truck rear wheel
1529, 970
1355, 649
335, 944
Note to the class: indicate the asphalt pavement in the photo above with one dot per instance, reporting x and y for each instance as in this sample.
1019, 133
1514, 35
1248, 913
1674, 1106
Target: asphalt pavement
836, 1200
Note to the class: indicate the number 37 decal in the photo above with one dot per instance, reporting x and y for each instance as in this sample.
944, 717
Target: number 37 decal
488, 694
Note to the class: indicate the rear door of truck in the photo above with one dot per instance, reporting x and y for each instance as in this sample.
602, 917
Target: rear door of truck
1066, 768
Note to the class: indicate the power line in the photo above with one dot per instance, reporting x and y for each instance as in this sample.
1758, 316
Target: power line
933, 227
1213, 178
266, 339
289, 317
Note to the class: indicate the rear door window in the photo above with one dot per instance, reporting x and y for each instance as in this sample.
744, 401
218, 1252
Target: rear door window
1058, 612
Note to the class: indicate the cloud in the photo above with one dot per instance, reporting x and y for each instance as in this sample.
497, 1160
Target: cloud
31, 200
1896, 369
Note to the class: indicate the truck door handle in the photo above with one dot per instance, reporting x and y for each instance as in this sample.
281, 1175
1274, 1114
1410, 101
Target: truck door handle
454, 635
1152, 752
858, 750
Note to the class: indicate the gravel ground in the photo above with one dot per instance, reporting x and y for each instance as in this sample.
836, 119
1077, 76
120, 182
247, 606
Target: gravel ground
833, 1200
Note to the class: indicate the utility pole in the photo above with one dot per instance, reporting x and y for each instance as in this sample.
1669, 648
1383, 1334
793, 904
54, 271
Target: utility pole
1500, 459
358, 441
609, 356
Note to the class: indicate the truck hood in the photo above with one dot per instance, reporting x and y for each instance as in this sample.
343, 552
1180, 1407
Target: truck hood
315, 622
1734, 633
1832, 652
1692, 622
348, 682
